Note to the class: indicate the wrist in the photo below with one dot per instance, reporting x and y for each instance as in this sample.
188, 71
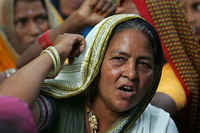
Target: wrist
63, 52
43, 40
81, 18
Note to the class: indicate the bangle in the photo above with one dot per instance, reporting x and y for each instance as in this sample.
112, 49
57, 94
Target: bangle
9, 72
53, 53
44, 41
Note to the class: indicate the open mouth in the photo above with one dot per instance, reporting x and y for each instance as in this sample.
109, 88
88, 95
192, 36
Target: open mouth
126, 92
126, 88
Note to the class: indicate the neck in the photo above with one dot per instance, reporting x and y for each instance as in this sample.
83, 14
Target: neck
106, 117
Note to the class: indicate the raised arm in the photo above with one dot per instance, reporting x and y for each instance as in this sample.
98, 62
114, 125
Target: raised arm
25, 83
90, 13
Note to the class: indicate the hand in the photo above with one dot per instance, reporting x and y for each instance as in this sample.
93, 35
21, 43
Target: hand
93, 11
126, 6
69, 45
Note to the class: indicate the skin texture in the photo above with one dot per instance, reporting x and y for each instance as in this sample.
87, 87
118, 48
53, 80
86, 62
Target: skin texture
126, 6
31, 20
66, 45
67, 7
86, 14
128, 62
192, 9
160, 99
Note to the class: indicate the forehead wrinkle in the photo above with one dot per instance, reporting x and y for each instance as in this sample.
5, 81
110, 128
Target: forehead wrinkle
117, 51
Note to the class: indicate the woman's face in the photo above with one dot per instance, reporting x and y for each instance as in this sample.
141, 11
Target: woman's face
31, 20
126, 71
192, 8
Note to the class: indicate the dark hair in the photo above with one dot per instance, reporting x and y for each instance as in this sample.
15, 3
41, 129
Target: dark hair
155, 43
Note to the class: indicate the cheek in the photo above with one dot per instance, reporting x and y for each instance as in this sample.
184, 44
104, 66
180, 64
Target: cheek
109, 74
145, 79
21, 35
44, 26
20, 32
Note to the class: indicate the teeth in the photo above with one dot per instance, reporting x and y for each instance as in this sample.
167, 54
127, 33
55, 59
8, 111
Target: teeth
126, 88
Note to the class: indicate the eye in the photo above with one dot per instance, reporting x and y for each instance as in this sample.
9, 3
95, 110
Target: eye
144, 66
21, 22
118, 59
41, 19
196, 6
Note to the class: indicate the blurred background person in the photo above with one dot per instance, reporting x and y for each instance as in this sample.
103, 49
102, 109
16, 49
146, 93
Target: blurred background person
192, 10
22, 22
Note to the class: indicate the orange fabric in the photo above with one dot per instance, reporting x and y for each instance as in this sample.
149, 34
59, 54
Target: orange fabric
7, 59
170, 85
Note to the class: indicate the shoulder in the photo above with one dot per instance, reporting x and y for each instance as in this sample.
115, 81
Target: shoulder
160, 120
155, 120
156, 113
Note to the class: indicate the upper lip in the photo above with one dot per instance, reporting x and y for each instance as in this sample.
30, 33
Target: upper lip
128, 86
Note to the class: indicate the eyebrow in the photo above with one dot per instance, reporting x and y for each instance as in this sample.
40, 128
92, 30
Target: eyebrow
125, 54
145, 58
119, 52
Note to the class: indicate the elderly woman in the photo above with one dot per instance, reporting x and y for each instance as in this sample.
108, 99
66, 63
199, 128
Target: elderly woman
106, 89
179, 85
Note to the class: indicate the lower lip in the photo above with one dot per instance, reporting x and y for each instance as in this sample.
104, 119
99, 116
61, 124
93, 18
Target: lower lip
126, 95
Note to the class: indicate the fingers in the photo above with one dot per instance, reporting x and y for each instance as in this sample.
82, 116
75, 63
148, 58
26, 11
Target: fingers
110, 11
78, 46
105, 7
92, 3
99, 6
69, 45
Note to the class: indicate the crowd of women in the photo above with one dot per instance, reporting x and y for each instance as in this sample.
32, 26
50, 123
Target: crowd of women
99, 66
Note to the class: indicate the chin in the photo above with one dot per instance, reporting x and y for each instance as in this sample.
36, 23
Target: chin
123, 107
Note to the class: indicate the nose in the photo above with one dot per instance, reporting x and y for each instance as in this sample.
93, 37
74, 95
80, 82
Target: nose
130, 71
33, 28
